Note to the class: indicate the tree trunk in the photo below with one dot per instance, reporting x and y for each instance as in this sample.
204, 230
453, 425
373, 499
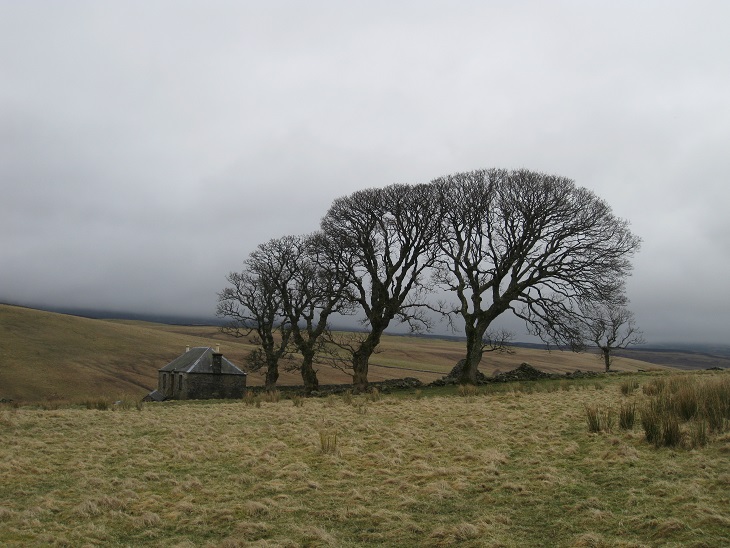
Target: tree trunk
606, 358
272, 375
361, 360
474, 334
309, 375
472, 360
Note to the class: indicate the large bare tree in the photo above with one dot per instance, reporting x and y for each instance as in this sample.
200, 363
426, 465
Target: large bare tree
384, 241
528, 242
610, 327
253, 306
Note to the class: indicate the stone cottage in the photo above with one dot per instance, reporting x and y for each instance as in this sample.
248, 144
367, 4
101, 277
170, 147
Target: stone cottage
200, 373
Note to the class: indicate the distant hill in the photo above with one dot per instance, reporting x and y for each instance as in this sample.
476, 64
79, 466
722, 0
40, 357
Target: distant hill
47, 355
705, 357
103, 314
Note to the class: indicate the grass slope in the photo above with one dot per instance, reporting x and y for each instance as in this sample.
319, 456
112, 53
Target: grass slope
45, 355
510, 468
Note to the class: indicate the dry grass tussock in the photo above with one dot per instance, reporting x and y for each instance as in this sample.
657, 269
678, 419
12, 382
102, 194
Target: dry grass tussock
503, 468
686, 410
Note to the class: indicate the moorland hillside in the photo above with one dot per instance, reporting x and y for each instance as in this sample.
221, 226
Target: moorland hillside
46, 355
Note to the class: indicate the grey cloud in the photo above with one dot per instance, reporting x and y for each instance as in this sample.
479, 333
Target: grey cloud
145, 149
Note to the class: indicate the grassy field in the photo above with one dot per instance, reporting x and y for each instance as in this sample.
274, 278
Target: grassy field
48, 356
508, 465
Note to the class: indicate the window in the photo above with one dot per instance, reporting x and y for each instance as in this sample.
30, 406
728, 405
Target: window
179, 382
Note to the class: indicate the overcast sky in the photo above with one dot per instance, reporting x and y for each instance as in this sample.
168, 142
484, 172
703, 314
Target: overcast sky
146, 147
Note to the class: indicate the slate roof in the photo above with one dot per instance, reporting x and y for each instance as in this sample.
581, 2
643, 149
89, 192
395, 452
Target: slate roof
200, 360
154, 396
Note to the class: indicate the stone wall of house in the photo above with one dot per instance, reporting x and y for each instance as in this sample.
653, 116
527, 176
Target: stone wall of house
200, 386
167, 383
203, 386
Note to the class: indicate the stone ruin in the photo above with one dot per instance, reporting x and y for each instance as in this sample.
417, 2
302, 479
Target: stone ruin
525, 372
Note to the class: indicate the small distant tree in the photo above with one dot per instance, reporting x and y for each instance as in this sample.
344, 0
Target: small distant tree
253, 305
610, 327
498, 341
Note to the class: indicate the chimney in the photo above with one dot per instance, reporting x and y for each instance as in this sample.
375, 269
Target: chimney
187, 348
217, 361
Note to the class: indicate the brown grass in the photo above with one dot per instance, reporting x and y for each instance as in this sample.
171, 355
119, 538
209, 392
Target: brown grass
507, 468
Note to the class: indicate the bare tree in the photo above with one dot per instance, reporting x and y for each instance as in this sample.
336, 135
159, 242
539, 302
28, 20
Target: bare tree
534, 244
253, 305
498, 341
384, 241
610, 327
311, 290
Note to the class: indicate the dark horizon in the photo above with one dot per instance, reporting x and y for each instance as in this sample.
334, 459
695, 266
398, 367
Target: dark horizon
705, 347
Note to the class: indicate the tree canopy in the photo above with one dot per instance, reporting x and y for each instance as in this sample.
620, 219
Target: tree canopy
528, 242
531, 243
384, 240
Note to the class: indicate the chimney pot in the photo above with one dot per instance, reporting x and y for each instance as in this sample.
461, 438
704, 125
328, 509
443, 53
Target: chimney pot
187, 348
